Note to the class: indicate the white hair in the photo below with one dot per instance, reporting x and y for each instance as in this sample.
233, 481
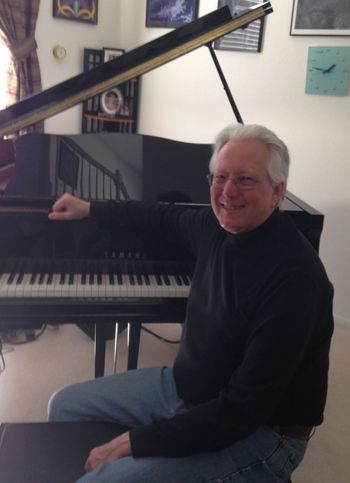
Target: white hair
278, 162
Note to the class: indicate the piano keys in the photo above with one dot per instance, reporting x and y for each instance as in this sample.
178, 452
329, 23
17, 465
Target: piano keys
112, 280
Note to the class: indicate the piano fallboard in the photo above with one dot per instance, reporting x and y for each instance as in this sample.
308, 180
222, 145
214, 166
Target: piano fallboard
35, 312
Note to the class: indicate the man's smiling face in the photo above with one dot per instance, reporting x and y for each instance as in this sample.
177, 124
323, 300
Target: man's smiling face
240, 208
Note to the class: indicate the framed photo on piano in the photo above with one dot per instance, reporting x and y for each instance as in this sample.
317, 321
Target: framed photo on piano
170, 13
320, 18
247, 39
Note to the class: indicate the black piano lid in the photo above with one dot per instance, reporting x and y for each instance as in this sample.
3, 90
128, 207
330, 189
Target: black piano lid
138, 61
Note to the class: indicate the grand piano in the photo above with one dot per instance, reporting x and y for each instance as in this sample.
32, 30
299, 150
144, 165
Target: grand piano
73, 272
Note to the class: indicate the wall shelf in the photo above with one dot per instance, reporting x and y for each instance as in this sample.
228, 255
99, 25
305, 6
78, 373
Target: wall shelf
93, 120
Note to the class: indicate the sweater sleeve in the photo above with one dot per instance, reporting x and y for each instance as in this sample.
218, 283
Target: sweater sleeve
175, 223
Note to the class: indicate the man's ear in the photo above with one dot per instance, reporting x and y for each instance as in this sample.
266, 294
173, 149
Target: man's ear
278, 193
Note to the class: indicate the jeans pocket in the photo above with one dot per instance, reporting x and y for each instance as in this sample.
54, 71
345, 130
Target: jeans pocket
258, 472
287, 457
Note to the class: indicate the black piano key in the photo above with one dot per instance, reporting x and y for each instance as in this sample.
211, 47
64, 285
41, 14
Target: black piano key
118, 272
21, 273
20, 278
34, 273
11, 278
42, 272
131, 278
138, 272
63, 275
130, 273
71, 273
165, 275
99, 273
147, 279
83, 274
182, 273
157, 275
110, 274
13, 272
50, 272
91, 273
189, 272
146, 273
177, 277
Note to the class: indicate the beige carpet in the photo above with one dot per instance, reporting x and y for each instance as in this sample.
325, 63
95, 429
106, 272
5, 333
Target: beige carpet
65, 354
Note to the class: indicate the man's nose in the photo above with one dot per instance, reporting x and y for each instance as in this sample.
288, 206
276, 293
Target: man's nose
230, 187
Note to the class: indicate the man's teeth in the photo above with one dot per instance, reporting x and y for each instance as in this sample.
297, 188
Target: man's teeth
232, 207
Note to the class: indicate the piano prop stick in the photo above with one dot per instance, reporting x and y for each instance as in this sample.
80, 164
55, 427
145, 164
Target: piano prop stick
138, 61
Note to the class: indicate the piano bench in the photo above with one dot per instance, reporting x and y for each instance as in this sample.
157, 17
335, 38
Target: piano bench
54, 452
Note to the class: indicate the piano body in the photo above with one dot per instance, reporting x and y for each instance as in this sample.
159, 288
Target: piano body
73, 272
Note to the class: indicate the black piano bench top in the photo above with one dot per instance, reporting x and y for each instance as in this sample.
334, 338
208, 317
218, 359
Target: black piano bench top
54, 452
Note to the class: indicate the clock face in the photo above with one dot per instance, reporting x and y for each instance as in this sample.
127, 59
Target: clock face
328, 71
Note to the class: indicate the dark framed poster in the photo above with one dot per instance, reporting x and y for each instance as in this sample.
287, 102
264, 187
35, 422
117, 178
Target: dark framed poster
170, 13
247, 39
311, 17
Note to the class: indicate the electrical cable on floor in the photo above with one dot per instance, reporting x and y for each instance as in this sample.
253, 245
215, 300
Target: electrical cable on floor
163, 339
2, 360
9, 337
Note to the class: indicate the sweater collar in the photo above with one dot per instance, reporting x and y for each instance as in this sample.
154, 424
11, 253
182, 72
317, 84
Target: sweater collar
258, 233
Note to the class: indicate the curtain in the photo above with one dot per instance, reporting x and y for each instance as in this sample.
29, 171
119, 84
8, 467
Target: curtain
17, 24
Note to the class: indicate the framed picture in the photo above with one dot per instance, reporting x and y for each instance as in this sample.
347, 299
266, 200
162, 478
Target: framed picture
170, 13
109, 53
247, 39
323, 17
82, 11
112, 101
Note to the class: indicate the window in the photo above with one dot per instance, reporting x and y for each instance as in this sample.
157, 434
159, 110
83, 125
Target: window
5, 57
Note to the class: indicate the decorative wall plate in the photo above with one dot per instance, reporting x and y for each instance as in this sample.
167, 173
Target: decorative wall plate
112, 101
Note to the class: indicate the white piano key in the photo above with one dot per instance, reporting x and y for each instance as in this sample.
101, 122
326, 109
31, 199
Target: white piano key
24, 289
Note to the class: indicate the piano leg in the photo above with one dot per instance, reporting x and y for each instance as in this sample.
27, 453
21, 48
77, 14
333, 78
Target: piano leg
100, 349
134, 334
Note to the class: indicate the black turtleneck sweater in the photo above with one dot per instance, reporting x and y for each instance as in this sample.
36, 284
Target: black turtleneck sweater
255, 343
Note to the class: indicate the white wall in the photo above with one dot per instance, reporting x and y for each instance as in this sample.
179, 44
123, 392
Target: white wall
74, 36
184, 100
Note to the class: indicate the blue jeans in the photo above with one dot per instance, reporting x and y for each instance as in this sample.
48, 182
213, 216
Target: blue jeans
139, 397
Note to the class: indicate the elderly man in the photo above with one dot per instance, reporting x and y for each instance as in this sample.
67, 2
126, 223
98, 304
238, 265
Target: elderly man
249, 382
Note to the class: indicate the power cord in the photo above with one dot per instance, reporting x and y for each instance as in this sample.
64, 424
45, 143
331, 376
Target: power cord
2, 360
163, 339
11, 337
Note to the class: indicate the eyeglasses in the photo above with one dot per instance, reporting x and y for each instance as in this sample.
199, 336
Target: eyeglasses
242, 181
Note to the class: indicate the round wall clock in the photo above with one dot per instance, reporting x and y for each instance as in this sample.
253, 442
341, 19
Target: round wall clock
59, 52
328, 71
